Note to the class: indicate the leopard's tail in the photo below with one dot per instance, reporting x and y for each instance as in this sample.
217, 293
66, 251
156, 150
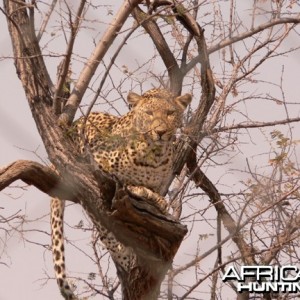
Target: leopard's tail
58, 250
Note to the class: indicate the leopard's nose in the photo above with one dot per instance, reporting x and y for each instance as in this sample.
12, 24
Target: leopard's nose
160, 132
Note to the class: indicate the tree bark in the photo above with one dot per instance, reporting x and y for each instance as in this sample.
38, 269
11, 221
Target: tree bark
153, 237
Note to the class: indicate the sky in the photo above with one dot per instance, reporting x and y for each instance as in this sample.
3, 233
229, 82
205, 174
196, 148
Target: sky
27, 265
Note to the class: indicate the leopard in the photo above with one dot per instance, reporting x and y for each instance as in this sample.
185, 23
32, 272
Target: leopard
137, 149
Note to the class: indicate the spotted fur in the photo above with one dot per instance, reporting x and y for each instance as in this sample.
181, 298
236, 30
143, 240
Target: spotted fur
137, 148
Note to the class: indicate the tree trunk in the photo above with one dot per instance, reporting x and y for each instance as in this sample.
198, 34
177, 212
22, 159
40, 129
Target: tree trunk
153, 237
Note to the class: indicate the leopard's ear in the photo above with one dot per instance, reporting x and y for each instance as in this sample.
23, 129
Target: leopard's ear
183, 101
133, 99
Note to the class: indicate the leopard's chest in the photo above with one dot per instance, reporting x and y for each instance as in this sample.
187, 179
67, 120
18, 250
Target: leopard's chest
141, 163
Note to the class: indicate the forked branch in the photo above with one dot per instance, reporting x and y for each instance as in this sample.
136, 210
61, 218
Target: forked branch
194, 128
229, 223
91, 65
150, 25
63, 72
33, 173
239, 37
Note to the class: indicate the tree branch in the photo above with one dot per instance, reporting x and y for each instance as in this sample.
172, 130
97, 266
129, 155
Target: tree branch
239, 37
153, 237
162, 47
137, 215
207, 186
46, 19
242, 36
64, 70
248, 125
129, 211
194, 127
33, 173
91, 65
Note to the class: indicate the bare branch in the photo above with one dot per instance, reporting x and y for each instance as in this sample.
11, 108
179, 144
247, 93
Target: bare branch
166, 54
64, 70
242, 36
284, 238
27, 50
194, 127
33, 173
108, 68
248, 125
46, 20
258, 209
202, 181
239, 37
91, 65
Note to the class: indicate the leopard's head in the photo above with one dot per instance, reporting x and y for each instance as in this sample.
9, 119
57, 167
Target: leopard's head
157, 113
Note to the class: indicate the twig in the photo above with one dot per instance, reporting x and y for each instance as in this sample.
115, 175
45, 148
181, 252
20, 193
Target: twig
64, 70
46, 20
91, 65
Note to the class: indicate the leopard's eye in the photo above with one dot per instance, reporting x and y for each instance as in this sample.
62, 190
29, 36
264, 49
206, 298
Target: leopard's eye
170, 112
149, 112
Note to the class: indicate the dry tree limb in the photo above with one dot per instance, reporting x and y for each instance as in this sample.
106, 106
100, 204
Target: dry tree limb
93, 62
151, 27
91, 188
234, 39
65, 66
229, 223
33, 173
193, 130
46, 20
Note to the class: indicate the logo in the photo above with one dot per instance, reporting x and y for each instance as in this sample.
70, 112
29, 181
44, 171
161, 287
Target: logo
264, 279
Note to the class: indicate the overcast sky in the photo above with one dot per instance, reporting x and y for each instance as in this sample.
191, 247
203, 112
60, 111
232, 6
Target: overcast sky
28, 264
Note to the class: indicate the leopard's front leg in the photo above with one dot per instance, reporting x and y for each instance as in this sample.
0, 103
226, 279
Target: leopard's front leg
143, 192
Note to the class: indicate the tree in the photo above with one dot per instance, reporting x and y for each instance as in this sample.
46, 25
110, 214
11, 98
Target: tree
259, 215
